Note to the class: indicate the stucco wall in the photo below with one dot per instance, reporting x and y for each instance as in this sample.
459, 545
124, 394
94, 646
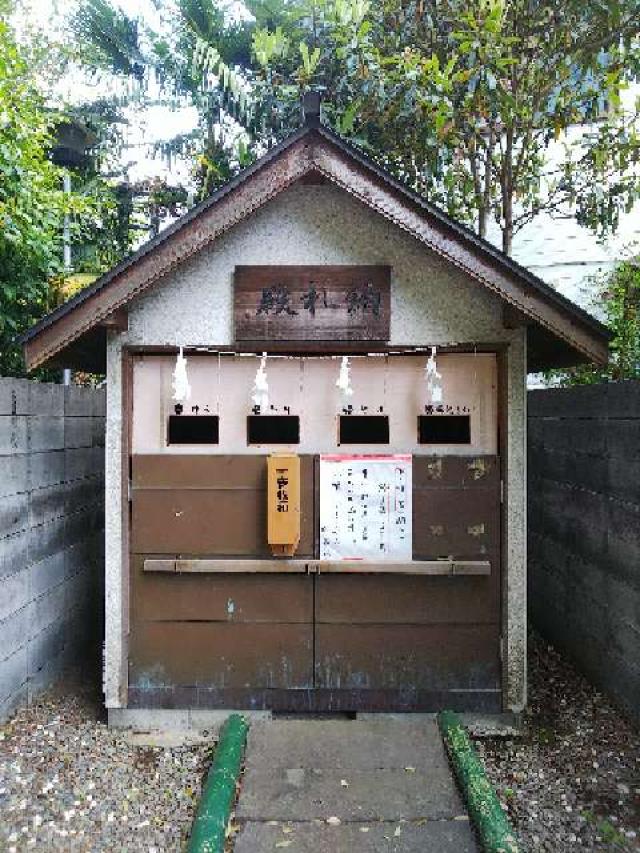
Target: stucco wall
432, 303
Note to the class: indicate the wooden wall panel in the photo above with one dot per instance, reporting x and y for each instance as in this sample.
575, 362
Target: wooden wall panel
456, 508
209, 506
434, 657
388, 599
220, 598
221, 655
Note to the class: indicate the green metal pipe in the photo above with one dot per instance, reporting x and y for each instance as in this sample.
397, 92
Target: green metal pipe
218, 792
493, 827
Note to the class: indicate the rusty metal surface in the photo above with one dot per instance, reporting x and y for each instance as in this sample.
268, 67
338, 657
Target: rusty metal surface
219, 655
404, 600
430, 657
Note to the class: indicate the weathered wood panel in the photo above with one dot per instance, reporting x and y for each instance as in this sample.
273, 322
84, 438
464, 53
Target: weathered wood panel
312, 303
220, 598
186, 505
219, 655
434, 657
319, 700
389, 599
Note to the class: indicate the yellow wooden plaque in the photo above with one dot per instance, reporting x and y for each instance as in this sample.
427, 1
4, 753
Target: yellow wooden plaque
283, 503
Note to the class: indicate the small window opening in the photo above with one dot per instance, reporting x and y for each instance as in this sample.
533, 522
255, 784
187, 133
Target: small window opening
444, 429
364, 429
193, 429
273, 429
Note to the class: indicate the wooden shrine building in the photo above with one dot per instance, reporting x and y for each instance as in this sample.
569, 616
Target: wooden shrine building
339, 526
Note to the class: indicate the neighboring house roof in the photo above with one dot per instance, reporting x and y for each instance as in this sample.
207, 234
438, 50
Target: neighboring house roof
560, 333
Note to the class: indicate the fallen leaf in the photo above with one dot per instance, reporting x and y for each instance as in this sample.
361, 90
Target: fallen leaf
334, 821
344, 783
397, 833
364, 829
287, 829
286, 843
409, 769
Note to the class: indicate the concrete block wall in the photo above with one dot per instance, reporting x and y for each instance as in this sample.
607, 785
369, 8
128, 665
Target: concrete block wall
584, 530
51, 534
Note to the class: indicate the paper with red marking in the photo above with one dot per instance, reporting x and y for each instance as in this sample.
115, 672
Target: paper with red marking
365, 507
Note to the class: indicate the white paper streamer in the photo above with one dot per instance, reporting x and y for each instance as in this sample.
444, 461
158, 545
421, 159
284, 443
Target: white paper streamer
181, 387
343, 381
433, 380
260, 394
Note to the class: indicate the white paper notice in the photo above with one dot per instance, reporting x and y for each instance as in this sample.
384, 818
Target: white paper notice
365, 507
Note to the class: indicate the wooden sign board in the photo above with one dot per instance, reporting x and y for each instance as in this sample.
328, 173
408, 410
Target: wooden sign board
283, 503
312, 303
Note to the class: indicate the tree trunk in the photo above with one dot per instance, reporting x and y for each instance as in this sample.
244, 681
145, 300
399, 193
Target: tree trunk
507, 193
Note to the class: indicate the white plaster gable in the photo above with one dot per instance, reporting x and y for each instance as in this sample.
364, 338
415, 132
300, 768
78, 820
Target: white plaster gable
432, 301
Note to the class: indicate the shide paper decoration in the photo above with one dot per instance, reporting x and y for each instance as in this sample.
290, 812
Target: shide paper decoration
181, 387
433, 380
343, 381
260, 394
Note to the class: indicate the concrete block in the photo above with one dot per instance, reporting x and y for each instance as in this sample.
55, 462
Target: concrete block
623, 438
13, 673
46, 398
14, 631
12, 703
149, 719
45, 646
14, 553
337, 744
14, 474
78, 400
47, 503
426, 837
46, 539
78, 432
84, 492
13, 435
49, 609
623, 399
14, 396
45, 432
83, 462
48, 573
16, 592
83, 524
46, 468
100, 401
298, 793
14, 514
583, 401
99, 428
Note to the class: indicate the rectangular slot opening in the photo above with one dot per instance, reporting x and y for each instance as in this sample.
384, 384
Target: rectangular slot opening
364, 429
444, 429
193, 429
273, 429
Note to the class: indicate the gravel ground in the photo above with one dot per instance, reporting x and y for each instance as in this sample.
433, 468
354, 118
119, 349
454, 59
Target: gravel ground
69, 783
572, 782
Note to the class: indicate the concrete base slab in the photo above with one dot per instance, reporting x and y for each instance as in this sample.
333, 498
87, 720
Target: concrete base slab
390, 837
337, 785
337, 744
185, 722
303, 794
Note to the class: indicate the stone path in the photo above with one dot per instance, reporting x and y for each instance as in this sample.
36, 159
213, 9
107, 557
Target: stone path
320, 786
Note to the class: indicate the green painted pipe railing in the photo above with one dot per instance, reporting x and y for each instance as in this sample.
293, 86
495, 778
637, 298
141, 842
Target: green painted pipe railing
493, 827
218, 792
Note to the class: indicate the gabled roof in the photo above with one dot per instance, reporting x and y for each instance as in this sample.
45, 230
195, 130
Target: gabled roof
560, 333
